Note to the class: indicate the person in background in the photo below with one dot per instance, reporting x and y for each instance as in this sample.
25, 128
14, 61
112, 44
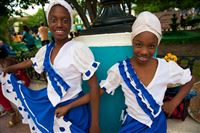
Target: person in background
43, 34
28, 38
16, 38
4, 62
5, 46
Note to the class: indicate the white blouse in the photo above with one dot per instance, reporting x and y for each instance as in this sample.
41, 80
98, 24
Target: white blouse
167, 73
73, 61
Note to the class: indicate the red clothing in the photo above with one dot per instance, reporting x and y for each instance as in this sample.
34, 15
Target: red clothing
21, 75
5, 102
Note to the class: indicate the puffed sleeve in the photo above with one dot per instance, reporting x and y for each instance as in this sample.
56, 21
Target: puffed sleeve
178, 75
39, 59
84, 61
112, 81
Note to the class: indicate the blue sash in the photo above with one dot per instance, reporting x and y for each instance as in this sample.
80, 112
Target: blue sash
151, 108
54, 77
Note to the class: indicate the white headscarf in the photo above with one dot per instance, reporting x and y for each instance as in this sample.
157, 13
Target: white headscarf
62, 3
147, 21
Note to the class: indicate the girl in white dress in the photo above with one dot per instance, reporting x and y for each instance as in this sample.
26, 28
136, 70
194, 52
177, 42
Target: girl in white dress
144, 80
66, 62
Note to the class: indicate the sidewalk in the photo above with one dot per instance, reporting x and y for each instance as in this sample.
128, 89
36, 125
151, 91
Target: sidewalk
19, 128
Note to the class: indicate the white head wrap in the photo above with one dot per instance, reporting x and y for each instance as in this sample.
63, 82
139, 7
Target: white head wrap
147, 21
62, 3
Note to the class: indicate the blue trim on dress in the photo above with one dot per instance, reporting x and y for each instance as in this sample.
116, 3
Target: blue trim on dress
139, 86
131, 125
37, 104
94, 64
41, 111
146, 94
54, 77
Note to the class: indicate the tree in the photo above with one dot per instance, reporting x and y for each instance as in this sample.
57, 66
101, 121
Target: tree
91, 7
36, 19
6, 6
84, 6
159, 5
7, 10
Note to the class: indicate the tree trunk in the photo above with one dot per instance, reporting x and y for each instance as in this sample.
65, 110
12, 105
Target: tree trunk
92, 9
81, 13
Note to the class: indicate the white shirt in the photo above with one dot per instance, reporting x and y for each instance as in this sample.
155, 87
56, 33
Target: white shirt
72, 62
166, 73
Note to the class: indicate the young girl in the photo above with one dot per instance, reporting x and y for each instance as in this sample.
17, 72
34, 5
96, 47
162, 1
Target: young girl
144, 80
6, 61
65, 61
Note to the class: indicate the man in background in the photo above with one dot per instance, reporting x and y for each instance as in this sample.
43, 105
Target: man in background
43, 34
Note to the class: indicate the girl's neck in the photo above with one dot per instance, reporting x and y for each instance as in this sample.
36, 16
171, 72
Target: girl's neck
135, 63
61, 42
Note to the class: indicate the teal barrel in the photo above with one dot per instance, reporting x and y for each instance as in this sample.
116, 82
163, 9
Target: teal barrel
109, 49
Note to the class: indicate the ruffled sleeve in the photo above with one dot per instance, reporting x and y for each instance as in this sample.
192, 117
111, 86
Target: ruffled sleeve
84, 61
178, 75
112, 81
38, 60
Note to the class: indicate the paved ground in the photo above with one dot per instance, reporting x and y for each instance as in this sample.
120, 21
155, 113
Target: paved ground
19, 128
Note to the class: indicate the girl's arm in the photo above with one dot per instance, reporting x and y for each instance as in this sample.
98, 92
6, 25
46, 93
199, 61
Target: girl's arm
94, 104
184, 90
93, 98
22, 65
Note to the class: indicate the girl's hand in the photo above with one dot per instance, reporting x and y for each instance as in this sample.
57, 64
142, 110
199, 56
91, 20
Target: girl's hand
169, 107
61, 111
5, 71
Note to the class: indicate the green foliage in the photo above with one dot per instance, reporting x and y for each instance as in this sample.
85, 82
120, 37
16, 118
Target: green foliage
7, 9
153, 7
180, 37
36, 19
196, 70
24, 54
4, 29
158, 5
7, 6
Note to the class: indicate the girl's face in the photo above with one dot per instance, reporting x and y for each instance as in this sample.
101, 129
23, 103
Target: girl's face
59, 22
144, 45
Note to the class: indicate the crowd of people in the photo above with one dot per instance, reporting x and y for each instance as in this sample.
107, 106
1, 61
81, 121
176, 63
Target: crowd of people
63, 107
30, 39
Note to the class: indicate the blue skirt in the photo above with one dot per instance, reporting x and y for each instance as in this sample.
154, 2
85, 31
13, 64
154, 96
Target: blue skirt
37, 110
131, 125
